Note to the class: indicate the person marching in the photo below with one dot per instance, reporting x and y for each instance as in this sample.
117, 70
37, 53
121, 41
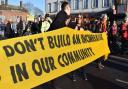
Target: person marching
114, 31
124, 29
46, 23
102, 28
62, 18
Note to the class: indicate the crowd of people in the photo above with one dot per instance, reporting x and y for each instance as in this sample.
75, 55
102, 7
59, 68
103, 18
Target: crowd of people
117, 31
18, 28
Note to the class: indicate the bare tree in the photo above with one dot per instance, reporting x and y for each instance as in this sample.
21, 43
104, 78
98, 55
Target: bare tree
37, 11
32, 9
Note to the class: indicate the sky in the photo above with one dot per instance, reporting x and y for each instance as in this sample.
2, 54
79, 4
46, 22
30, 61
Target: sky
38, 3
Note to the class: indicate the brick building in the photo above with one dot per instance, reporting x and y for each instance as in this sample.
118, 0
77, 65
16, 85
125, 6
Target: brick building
11, 12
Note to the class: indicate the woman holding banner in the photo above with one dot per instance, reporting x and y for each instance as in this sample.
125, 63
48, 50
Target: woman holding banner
78, 25
102, 28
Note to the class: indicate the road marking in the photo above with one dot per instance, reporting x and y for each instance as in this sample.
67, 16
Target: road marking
125, 82
119, 63
118, 57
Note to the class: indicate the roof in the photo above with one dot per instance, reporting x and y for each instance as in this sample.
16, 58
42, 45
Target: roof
12, 7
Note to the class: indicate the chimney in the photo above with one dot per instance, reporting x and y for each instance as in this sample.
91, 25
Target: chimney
21, 4
6, 2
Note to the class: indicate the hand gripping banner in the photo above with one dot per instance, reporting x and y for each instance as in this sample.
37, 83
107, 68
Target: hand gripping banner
29, 61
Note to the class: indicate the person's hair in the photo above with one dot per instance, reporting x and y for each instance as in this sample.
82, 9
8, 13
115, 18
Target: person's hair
82, 20
64, 4
46, 15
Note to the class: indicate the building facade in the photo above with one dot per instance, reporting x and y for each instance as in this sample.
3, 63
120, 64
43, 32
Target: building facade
122, 6
11, 12
79, 6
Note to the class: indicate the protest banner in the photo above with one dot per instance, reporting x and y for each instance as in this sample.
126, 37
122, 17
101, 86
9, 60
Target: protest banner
29, 61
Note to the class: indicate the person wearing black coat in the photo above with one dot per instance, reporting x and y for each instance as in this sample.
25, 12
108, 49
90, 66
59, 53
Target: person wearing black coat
8, 30
62, 18
34, 28
19, 27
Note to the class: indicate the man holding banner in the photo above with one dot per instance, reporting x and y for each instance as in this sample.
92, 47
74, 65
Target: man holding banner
62, 18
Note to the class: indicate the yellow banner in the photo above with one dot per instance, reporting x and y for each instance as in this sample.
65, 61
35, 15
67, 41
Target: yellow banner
29, 61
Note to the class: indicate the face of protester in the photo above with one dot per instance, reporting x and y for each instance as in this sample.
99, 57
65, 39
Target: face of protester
105, 17
79, 19
18, 19
68, 10
35, 20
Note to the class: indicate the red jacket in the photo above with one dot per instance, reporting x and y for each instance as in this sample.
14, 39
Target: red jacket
103, 27
124, 31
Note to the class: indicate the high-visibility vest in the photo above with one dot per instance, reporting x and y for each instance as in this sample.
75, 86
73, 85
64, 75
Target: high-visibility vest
45, 26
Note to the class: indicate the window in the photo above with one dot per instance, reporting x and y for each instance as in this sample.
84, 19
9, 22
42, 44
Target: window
60, 3
105, 3
76, 4
113, 2
2, 2
95, 3
123, 1
121, 9
2, 17
85, 4
69, 1
55, 7
49, 7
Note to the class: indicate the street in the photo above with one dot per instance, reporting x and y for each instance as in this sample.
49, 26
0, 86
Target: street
113, 76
